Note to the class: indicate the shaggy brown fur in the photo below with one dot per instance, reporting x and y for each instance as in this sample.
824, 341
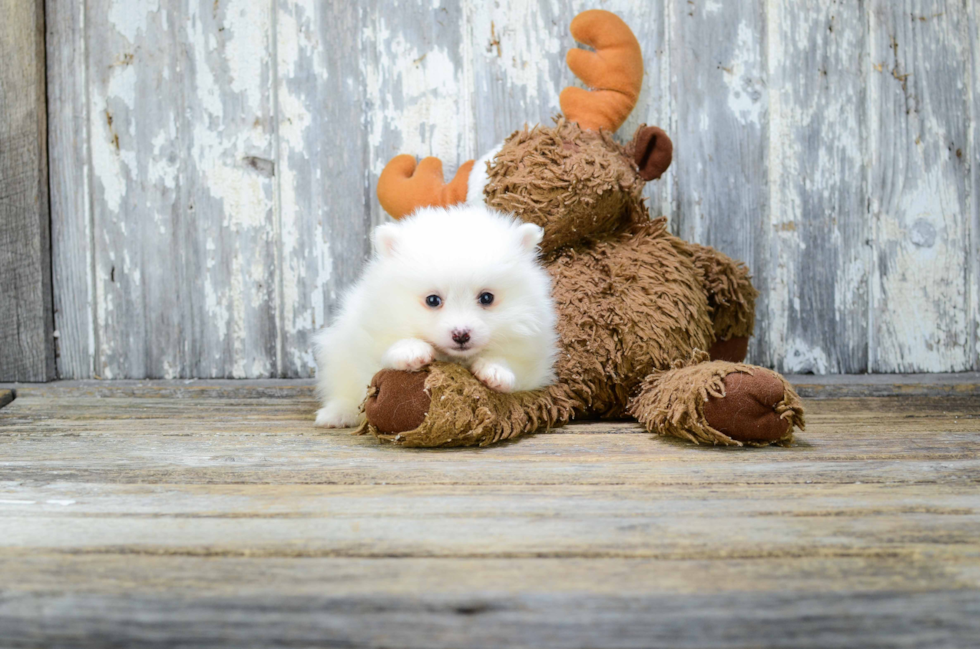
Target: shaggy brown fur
731, 296
467, 413
583, 176
614, 330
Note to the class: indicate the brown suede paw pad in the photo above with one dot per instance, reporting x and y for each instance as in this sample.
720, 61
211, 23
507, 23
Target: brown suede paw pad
747, 412
733, 350
397, 401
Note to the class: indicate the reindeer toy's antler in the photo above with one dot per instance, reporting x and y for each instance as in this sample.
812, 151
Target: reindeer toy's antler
614, 72
403, 187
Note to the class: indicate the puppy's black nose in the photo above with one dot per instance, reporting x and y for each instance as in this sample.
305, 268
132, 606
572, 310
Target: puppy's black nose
461, 336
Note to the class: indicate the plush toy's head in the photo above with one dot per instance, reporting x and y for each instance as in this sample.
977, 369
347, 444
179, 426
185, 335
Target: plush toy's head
573, 179
574, 183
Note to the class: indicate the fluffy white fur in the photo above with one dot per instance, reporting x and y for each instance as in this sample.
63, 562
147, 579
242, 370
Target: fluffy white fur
479, 178
456, 254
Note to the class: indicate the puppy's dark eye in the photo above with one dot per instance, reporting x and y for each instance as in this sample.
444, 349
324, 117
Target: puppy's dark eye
433, 301
486, 298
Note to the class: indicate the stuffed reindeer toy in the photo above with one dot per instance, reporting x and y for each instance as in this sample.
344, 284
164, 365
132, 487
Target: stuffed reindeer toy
651, 327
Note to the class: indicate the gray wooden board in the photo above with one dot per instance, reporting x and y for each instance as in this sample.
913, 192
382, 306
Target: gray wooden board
221, 520
26, 318
429, 620
212, 227
72, 238
321, 174
973, 245
920, 186
328, 617
818, 310
181, 96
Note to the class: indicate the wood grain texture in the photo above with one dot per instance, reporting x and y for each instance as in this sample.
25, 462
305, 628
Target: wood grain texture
176, 441
72, 237
26, 320
528, 520
340, 603
179, 114
973, 244
251, 136
141, 518
920, 185
886, 385
818, 304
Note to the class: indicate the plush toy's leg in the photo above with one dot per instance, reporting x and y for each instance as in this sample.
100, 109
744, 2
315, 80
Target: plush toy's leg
445, 405
731, 297
719, 403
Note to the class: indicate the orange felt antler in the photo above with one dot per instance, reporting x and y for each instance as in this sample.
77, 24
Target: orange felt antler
403, 187
614, 72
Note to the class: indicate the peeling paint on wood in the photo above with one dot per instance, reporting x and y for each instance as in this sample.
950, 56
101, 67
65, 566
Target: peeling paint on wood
818, 226
214, 164
178, 101
322, 150
920, 316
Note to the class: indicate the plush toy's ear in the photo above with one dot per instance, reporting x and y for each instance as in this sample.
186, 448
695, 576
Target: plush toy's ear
403, 187
652, 151
614, 72
531, 235
386, 239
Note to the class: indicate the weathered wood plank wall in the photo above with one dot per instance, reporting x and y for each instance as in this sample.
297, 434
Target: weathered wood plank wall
214, 163
27, 351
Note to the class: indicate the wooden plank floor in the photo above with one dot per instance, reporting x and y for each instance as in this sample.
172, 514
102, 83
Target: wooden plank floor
212, 514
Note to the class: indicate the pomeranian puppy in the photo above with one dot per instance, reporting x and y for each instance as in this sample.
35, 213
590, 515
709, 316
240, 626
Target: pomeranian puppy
462, 285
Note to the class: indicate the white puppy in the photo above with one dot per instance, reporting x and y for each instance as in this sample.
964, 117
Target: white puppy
460, 285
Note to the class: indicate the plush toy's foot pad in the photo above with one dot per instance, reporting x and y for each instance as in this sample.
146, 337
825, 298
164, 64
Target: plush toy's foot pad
733, 350
748, 411
397, 401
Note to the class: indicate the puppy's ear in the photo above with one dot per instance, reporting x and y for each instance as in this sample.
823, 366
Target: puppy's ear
530, 236
386, 239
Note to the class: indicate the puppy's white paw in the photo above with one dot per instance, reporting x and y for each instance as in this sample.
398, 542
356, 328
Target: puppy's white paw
410, 355
334, 415
494, 375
